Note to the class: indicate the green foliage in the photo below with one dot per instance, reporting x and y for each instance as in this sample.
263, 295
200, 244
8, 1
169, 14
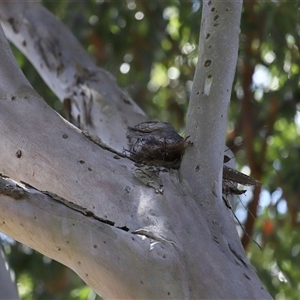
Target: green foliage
151, 48
277, 263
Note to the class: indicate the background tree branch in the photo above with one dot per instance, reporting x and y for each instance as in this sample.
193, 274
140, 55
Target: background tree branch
92, 99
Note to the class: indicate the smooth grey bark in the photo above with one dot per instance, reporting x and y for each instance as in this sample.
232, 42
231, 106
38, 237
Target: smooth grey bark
171, 248
202, 164
210, 97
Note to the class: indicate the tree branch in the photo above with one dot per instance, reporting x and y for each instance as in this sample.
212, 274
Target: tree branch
107, 252
207, 114
89, 177
171, 248
91, 96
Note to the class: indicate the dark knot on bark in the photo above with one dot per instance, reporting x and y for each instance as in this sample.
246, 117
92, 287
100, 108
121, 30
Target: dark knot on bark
156, 143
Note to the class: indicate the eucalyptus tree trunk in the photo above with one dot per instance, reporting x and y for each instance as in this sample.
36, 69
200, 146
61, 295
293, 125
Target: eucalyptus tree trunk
130, 231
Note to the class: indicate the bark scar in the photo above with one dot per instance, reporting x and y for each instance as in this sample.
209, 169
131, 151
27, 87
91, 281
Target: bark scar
77, 207
238, 256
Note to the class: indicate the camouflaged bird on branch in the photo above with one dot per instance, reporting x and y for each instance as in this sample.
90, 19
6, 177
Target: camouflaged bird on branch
157, 143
